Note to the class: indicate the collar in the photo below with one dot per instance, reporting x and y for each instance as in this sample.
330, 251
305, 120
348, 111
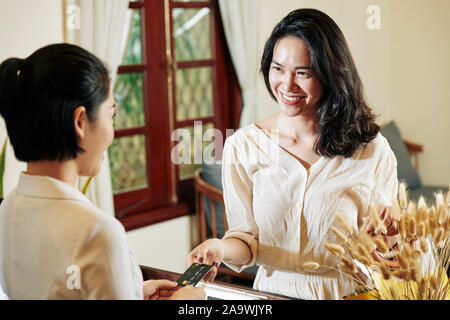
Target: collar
47, 187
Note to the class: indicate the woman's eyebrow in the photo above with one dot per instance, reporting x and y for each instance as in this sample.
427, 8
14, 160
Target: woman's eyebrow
296, 68
278, 64
302, 68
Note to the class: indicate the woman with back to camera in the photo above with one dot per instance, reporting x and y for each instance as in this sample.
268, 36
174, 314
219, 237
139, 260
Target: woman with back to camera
54, 243
330, 158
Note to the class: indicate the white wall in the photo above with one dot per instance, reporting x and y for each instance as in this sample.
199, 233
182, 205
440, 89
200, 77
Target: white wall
164, 245
420, 50
24, 27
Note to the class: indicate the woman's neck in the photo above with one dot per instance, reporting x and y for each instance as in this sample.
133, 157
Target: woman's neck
298, 127
65, 171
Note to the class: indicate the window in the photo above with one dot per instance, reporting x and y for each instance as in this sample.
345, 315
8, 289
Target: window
176, 74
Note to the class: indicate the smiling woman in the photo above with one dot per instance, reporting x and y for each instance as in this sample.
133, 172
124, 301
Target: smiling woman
293, 83
325, 53
329, 157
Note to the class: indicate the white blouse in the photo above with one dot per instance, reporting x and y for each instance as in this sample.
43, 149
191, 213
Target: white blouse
284, 212
55, 244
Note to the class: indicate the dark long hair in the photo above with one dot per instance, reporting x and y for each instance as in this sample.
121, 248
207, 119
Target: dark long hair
38, 97
344, 119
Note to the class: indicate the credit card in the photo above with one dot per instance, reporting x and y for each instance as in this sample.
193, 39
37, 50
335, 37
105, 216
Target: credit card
193, 274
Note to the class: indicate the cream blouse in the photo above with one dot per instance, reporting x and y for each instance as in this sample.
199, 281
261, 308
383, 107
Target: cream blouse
284, 212
55, 244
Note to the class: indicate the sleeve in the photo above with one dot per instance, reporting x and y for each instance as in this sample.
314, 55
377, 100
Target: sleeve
238, 195
379, 184
3, 295
385, 184
107, 268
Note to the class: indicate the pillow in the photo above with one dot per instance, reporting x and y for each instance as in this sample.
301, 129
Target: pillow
212, 174
405, 168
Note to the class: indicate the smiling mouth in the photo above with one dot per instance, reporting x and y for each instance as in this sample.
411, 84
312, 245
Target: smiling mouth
292, 99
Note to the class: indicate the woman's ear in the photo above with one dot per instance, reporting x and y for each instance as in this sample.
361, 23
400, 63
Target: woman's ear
80, 119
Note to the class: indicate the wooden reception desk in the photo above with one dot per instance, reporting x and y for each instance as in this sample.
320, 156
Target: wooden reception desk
215, 290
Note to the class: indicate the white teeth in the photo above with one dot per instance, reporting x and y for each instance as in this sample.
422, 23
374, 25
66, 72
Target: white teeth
292, 98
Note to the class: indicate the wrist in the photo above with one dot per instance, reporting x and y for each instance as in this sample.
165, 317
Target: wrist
236, 251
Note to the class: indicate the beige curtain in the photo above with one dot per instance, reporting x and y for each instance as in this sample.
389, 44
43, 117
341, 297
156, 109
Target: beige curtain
241, 23
100, 26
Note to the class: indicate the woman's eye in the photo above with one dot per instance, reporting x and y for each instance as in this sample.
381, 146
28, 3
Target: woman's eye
276, 68
303, 75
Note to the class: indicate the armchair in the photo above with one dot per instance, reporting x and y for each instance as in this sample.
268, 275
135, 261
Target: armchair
407, 171
211, 218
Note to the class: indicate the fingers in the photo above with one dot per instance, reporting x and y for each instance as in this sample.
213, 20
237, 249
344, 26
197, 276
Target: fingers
385, 225
189, 293
149, 288
167, 293
165, 289
191, 258
386, 216
393, 228
211, 275
153, 297
392, 241
196, 293
205, 254
391, 264
392, 225
197, 255
368, 225
200, 293
382, 210
165, 284
209, 252
214, 262
152, 288
164, 294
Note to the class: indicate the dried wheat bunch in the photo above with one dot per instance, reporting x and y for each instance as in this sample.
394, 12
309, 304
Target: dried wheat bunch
395, 267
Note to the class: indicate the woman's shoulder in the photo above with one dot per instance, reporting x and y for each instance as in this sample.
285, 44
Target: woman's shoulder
243, 136
380, 143
255, 132
92, 222
89, 212
376, 149
84, 215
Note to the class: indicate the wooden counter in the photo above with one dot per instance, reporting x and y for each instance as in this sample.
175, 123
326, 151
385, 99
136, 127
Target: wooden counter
215, 290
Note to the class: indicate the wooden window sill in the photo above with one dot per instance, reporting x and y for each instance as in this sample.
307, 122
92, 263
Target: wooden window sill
149, 217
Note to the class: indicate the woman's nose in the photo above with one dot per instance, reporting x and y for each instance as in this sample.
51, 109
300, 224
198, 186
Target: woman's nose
289, 84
